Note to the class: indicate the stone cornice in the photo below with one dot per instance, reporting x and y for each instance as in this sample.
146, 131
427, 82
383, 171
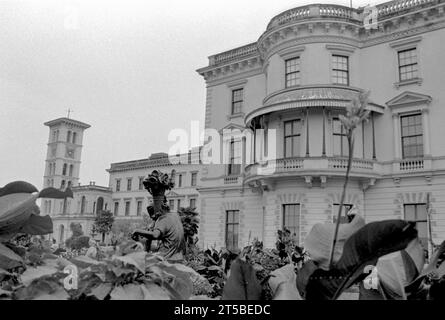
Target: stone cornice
333, 24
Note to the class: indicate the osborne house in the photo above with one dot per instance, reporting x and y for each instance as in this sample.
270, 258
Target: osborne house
289, 88
295, 80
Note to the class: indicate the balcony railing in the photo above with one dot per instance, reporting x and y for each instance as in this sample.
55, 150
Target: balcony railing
313, 166
398, 6
235, 54
314, 10
231, 179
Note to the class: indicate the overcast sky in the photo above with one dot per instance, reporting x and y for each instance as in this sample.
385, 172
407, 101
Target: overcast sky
127, 68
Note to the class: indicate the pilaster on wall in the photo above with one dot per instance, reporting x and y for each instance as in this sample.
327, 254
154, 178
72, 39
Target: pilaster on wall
208, 112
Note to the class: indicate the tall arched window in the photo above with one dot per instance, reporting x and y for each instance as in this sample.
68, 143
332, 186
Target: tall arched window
69, 184
68, 136
64, 169
82, 205
71, 170
61, 233
74, 137
100, 204
62, 184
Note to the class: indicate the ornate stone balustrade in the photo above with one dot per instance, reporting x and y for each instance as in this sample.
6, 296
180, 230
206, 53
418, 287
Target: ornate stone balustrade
314, 10
396, 7
313, 166
235, 54
231, 180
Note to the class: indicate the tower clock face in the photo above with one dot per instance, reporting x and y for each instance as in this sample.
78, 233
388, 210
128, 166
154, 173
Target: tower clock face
70, 153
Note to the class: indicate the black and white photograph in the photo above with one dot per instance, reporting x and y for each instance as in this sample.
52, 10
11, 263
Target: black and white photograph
223, 155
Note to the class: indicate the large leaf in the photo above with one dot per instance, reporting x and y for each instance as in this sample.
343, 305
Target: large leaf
181, 285
396, 270
17, 187
101, 291
318, 242
152, 291
32, 273
38, 225
242, 283
283, 283
43, 288
136, 259
434, 268
9, 259
84, 261
128, 292
362, 249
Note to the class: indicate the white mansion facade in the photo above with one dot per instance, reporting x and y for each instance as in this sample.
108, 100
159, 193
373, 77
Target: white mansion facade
296, 79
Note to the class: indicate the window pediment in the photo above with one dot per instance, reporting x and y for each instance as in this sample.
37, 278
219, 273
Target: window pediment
232, 126
409, 98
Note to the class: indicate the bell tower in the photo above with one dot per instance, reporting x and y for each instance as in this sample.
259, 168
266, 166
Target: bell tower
63, 156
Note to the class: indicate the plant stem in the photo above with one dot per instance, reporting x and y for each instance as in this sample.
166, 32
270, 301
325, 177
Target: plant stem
343, 195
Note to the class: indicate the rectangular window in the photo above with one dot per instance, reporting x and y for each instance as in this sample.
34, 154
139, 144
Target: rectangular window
171, 204
127, 208
408, 64
192, 203
194, 179
292, 132
237, 100
129, 182
291, 218
292, 72
340, 139
179, 204
179, 180
139, 208
234, 167
418, 214
412, 136
118, 184
346, 208
141, 183
116, 208
340, 69
232, 229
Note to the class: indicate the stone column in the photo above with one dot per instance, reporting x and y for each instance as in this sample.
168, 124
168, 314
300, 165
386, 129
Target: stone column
426, 132
363, 139
373, 137
323, 152
307, 132
396, 134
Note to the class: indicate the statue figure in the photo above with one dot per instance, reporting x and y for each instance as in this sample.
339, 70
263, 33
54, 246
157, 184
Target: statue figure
167, 228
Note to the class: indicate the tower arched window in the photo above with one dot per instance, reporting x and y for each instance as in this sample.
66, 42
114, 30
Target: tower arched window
83, 205
71, 170
74, 137
100, 204
61, 233
64, 169
68, 136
